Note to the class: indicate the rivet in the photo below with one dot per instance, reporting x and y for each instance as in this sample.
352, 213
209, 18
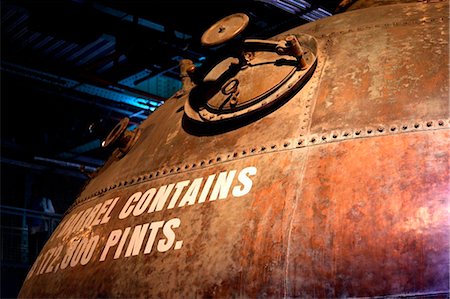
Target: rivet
441, 123
429, 124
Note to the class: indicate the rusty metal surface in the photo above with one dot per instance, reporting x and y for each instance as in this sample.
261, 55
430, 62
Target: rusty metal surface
380, 84
223, 238
384, 231
347, 195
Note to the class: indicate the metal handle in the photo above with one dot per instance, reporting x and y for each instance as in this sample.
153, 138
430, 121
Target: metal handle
288, 46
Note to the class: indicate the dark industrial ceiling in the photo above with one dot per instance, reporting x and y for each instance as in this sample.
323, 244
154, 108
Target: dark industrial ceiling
70, 70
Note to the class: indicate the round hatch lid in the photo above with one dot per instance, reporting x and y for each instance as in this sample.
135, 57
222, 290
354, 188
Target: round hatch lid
225, 30
261, 74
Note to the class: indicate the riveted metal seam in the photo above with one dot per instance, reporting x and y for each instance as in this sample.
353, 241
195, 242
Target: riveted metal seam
385, 25
310, 140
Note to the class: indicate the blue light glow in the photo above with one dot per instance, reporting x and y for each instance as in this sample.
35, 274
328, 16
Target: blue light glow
117, 96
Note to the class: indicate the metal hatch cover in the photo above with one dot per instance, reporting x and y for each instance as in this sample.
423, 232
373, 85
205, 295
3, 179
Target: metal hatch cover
225, 29
257, 75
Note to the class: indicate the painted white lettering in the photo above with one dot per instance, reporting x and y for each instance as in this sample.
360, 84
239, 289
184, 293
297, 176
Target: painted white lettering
191, 194
86, 215
128, 208
113, 238
154, 227
178, 189
78, 252
79, 225
46, 260
123, 239
143, 203
246, 182
66, 226
33, 268
102, 211
160, 198
69, 253
164, 245
137, 238
89, 251
70, 228
206, 188
92, 215
107, 215
56, 254
222, 185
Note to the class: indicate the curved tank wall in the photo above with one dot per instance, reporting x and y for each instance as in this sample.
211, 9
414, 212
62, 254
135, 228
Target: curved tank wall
340, 191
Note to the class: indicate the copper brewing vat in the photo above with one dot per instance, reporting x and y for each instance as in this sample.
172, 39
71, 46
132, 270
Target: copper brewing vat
269, 176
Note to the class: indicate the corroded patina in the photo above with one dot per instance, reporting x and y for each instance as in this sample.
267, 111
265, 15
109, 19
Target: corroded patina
340, 190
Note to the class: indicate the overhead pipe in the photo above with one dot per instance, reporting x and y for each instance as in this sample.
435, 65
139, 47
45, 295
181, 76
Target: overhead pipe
81, 167
105, 83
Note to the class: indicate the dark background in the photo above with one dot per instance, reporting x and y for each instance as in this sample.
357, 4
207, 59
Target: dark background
71, 70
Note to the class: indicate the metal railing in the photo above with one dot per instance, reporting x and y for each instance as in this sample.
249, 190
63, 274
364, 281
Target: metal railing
23, 233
